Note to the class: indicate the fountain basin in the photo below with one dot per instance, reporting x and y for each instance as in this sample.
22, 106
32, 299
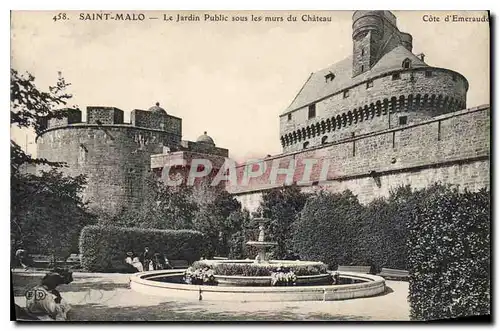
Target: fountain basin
148, 283
323, 279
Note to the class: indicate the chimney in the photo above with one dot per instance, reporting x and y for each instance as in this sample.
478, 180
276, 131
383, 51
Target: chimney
421, 56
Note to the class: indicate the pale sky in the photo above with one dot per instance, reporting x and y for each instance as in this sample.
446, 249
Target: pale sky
231, 79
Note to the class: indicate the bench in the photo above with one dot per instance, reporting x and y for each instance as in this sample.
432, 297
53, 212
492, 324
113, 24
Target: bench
394, 274
354, 268
179, 264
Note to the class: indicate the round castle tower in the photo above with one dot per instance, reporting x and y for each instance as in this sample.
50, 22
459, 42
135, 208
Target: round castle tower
381, 86
115, 156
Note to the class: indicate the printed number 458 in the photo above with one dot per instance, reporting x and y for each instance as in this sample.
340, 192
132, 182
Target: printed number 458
60, 16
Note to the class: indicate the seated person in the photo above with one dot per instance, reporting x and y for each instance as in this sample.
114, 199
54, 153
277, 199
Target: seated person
45, 300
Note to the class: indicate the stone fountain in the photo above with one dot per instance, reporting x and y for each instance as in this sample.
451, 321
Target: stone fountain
247, 280
261, 244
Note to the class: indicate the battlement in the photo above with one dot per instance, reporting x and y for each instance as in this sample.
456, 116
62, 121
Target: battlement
102, 115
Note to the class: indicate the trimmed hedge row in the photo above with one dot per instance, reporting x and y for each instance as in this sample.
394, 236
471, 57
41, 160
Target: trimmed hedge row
104, 249
449, 255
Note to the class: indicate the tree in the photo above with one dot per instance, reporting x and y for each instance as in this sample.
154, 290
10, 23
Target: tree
328, 227
282, 206
31, 108
162, 207
47, 210
213, 218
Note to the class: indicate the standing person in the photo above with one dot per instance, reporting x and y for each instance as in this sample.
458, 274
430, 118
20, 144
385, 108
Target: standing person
146, 258
21, 258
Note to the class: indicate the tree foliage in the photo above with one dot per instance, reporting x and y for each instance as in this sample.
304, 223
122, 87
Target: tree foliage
449, 254
47, 211
328, 227
282, 206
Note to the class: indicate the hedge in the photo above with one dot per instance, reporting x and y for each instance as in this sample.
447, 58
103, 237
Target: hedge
104, 249
328, 227
449, 255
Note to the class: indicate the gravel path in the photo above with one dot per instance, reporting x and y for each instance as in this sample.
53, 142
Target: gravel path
106, 297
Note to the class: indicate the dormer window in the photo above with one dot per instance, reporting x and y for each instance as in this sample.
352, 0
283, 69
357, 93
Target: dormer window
407, 64
312, 111
346, 94
369, 84
329, 76
289, 118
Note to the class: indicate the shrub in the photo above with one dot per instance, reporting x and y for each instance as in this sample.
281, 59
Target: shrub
381, 240
449, 254
103, 249
253, 269
328, 228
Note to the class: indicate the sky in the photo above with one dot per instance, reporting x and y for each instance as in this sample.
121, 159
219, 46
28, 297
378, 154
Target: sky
231, 79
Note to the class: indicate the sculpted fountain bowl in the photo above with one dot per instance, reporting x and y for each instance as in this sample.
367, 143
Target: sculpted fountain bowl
257, 280
249, 273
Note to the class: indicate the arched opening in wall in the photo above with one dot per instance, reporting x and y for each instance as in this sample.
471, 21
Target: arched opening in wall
361, 114
344, 120
299, 135
418, 101
339, 122
318, 129
439, 103
282, 142
394, 104
410, 103
328, 125
82, 154
349, 118
425, 102
305, 145
304, 133
308, 132
402, 106
377, 110
432, 103
406, 63
385, 106
446, 101
355, 116
324, 140
294, 137
323, 127
370, 112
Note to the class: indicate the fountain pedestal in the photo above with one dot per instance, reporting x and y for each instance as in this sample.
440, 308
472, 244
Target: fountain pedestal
261, 244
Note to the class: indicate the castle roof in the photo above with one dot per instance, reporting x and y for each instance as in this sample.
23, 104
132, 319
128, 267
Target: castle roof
318, 87
157, 109
206, 139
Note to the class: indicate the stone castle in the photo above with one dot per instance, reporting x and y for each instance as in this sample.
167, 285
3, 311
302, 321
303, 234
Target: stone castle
381, 118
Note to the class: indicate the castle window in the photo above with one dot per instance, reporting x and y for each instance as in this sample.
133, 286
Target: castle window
362, 51
312, 111
305, 145
290, 117
369, 84
428, 73
346, 94
362, 68
407, 63
403, 120
324, 140
454, 78
396, 76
